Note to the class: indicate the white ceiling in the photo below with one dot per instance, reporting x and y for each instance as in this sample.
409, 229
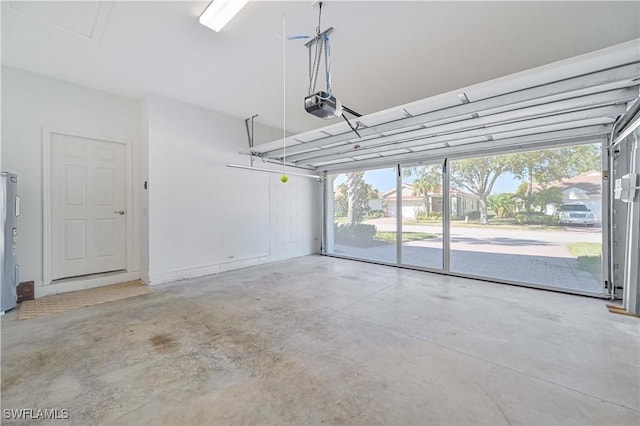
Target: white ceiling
383, 53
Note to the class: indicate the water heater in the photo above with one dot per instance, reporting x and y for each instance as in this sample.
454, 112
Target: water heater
9, 212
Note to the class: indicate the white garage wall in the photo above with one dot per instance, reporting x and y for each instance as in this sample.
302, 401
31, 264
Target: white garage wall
206, 218
196, 214
31, 102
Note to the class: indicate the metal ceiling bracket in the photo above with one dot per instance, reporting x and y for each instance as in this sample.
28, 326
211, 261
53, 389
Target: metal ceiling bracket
318, 37
250, 134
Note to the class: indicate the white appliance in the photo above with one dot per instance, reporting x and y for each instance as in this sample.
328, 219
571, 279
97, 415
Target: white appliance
9, 269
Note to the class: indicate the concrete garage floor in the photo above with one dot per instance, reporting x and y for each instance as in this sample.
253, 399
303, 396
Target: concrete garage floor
324, 340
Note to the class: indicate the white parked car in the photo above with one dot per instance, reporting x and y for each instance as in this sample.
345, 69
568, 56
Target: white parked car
575, 214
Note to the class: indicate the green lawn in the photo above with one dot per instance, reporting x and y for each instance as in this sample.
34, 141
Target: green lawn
390, 237
423, 222
506, 223
589, 257
493, 223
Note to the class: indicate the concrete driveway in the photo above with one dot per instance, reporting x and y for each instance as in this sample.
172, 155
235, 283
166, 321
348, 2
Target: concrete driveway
529, 256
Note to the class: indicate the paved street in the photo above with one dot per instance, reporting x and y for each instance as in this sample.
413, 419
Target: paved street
529, 256
565, 235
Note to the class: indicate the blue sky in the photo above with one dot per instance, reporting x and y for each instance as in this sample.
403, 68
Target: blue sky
384, 180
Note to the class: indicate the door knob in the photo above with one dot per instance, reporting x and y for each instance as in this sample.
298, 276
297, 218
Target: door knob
120, 212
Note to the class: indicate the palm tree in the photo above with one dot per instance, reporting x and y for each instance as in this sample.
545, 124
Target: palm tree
428, 182
502, 204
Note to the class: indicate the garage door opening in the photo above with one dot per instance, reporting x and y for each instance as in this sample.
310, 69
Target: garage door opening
528, 217
538, 218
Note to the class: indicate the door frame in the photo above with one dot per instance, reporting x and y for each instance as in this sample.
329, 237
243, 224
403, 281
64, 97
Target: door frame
46, 200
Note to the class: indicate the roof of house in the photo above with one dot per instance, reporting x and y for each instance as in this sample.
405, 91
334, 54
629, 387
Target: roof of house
392, 193
589, 182
337, 191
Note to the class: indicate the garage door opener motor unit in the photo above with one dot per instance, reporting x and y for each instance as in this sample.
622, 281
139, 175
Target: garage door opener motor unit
323, 103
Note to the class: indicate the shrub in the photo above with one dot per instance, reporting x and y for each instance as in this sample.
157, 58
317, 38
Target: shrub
420, 215
340, 231
374, 215
535, 219
550, 220
357, 232
473, 215
360, 231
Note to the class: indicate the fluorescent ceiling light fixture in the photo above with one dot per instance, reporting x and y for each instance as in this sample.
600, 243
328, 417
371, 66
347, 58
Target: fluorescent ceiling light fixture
220, 12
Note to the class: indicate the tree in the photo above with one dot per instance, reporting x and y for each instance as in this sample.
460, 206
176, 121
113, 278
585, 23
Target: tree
354, 196
550, 165
582, 158
547, 196
478, 175
502, 204
354, 180
340, 207
525, 194
540, 198
429, 180
533, 165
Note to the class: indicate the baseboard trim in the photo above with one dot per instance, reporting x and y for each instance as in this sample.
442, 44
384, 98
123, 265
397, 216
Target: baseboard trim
201, 271
75, 284
184, 274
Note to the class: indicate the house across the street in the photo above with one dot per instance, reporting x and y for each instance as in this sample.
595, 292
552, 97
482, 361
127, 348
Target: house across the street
585, 188
462, 203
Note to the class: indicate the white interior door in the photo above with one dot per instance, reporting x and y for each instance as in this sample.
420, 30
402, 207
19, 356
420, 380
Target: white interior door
88, 206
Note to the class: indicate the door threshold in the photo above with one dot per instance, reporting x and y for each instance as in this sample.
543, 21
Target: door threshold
65, 285
87, 276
